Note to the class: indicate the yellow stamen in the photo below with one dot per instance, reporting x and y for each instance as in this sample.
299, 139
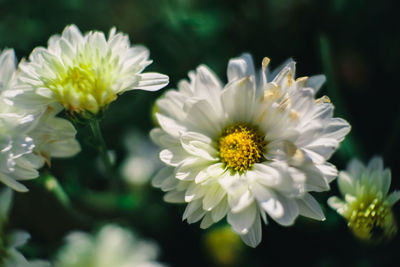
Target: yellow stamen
371, 217
81, 88
240, 146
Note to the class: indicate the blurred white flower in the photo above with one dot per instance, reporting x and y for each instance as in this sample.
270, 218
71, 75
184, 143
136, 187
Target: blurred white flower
28, 137
113, 246
248, 148
139, 166
9, 242
367, 206
85, 73
54, 137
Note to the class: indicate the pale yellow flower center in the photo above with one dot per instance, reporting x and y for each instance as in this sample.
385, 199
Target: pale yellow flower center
373, 217
240, 146
81, 88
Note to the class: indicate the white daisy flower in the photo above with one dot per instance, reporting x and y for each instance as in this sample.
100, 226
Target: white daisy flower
28, 138
9, 242
85, 73
113, 246
367, 206
255, 146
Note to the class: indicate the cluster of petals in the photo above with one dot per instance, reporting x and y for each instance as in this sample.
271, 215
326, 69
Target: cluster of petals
367, 204
85, 72
29, 137
299, 135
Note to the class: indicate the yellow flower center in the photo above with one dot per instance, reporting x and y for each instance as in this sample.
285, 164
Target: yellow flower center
81, 88
240, 146
372, 219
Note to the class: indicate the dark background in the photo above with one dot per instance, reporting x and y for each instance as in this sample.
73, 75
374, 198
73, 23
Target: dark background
355, 43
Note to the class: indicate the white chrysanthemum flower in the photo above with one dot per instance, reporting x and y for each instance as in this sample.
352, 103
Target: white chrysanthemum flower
28, 138
367, 206
139, 166
85, 73
9, 242
248, 148
113, 246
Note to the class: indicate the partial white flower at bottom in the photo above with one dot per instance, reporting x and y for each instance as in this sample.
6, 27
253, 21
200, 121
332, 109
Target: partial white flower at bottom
255, 146
10, 242
113, 246
367, 206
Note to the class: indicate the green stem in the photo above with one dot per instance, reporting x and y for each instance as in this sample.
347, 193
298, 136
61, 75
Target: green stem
102, 148
51, 185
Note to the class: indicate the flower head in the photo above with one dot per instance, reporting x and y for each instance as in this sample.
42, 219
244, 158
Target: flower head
28, 137
255, 146
367, 206
113, 246
9, 242
85, 73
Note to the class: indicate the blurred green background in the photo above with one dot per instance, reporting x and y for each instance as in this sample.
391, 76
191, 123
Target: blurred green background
354, 42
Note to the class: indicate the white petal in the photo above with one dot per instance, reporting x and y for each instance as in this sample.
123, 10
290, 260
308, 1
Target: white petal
337, 204
216, 170
72, 34
193, 212
240, 67
393, 197
375, 164
7, 66
316, 82
337, 128
169, 183
265, 175
206, 222
13, 183
324, 146
346, 183
195, 191
208, 86
199, 145
220, 211
290, 211
190, 169
161, 138
203, 118
169, 125
309, 207
151, 81
355, 168
238, 99
175, 197
161, 175
243, 220
240, 200
212, 197
386, 180
191, 208
173, 156
254, 235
